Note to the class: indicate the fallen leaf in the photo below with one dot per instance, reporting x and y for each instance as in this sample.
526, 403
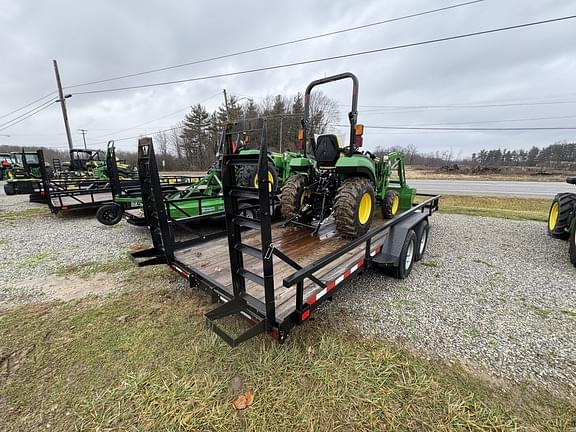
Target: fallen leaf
243, 401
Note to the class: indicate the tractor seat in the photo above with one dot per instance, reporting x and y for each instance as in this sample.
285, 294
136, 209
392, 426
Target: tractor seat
571, 180
326, 150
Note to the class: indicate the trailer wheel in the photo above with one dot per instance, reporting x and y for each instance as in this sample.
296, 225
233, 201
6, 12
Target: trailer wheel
109, 214
572, 248
291, 196
422, 232
354, 207
407, 257
559, 215
9, 189
391, 204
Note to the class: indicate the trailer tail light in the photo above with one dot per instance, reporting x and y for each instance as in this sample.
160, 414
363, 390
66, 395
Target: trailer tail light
358, 132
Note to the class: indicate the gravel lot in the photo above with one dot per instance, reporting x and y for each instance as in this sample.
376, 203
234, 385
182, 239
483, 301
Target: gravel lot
34, 247
497, 295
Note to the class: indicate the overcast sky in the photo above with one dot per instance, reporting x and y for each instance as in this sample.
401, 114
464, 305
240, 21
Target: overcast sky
98, 40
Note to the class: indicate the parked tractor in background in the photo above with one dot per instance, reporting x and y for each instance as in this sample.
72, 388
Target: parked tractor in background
24, 173
6, 163
92, 163
343, 182
562, 219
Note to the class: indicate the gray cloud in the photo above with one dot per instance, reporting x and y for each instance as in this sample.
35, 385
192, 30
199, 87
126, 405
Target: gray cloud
97, 40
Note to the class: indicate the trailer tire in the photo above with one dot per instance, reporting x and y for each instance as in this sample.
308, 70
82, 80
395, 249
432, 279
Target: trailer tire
291, 196
422, 234
572, 240
354, 207
391, 204
561, 210
407, 257
9, 189
109, 214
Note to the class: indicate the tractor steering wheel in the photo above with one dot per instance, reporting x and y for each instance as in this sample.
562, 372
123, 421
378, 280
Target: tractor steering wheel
370, 154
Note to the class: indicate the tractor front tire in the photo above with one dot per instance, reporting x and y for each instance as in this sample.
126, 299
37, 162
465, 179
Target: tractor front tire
559, 215
248, 176
572, 240
291, 196
391, 204
354, 207
109, 214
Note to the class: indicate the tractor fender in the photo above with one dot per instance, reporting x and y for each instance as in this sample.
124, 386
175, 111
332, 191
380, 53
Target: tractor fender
356, 166
300, 164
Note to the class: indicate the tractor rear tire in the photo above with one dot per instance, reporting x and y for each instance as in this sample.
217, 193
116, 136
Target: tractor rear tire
109, 214
559, 215
291, 196
391, 204
354, 207
572, 248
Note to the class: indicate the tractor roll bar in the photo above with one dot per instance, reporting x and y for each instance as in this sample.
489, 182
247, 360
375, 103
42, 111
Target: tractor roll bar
352, 115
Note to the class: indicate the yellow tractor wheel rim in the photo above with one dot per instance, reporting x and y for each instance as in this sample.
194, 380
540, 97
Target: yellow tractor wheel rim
365, 208
553, 216
10, 175
395, 205
270, 181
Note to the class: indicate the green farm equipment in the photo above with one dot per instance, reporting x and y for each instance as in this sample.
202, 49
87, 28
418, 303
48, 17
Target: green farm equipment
562, 219
92, 163
343, 182
6, 163
24, 174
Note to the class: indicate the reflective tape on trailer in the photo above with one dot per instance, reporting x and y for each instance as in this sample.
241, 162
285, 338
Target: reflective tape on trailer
334, 283
179, 270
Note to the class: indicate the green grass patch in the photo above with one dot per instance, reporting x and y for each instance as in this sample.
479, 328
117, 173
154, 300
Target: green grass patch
541, 312
89, 269
430, 263
145, 361
501, 207
568, 313
11, 216
35, 260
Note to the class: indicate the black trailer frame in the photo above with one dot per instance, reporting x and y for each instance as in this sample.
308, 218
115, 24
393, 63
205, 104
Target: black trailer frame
77, 194
307, 289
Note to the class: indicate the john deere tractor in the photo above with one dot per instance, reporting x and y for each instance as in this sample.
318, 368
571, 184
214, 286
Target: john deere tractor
562, 219
346, 183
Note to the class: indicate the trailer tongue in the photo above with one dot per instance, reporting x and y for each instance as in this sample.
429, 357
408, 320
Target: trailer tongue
273, 275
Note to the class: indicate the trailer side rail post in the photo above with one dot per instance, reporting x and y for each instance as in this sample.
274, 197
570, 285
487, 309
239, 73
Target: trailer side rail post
112, 170
46, 180
152, 199
264, 198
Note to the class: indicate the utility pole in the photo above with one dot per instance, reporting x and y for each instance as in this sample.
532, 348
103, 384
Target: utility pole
62, 101
83, 132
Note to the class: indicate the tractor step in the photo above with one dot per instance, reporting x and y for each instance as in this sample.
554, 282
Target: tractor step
233, 307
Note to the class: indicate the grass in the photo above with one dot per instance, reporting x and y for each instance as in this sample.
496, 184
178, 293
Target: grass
501, 207
88, 269
35, 260
11, 216
144, 360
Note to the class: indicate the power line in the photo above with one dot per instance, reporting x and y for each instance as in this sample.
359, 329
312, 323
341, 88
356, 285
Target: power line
277, 45
341, 56
421, 108
466, 129
27, 105
156, 119
23, 117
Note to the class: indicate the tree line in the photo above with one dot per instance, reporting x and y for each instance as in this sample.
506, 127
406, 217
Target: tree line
558, 155
193, 144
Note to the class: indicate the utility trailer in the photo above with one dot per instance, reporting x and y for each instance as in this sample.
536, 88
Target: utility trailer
274, 276
62, 200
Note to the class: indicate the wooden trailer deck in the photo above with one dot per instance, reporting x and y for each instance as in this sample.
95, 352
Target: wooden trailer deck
213, 260
81, 199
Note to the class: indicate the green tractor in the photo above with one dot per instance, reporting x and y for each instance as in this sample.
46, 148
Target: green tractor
23, 175
92, 163
562, 219
343, 182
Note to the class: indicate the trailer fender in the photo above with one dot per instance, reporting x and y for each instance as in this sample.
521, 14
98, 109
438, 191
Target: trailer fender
392, 247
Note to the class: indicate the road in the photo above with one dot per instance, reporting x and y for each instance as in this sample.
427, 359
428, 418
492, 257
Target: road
519, 189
